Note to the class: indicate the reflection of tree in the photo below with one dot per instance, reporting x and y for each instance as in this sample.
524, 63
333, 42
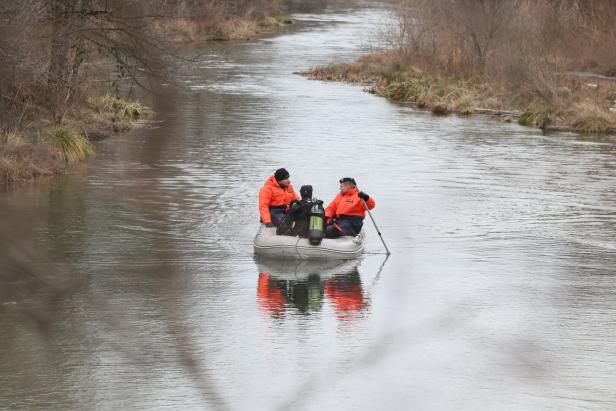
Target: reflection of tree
306, 295
67, 227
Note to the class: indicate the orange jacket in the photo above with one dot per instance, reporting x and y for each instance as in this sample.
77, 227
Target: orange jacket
348, 204
271, 194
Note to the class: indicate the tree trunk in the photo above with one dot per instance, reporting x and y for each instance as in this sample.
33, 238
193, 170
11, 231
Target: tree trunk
59, 60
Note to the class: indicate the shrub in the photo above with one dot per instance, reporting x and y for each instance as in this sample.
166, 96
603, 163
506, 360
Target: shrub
13, 138
590, 118
125, 109
8, 170
26, 161
440, 107
68, 146
464, 105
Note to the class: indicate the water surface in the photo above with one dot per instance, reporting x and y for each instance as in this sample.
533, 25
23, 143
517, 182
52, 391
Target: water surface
500, 292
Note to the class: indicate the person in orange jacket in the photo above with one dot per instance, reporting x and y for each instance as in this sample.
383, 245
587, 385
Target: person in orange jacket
345, 214
275, 197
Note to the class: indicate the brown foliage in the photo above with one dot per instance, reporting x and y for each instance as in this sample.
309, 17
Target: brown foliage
51, 50
26, 162
524, 47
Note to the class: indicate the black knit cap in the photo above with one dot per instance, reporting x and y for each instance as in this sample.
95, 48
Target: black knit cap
281, 174
348, 180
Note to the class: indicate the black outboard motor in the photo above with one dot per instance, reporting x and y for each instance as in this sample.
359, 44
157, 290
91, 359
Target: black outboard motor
316, 226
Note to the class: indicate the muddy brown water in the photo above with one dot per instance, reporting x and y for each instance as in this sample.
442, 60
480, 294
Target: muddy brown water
500, 292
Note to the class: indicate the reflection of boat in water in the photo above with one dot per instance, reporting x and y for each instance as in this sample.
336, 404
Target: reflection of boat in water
293, 269
267, 243
305, 286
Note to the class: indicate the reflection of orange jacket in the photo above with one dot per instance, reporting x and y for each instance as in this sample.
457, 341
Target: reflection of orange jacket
348, 204
270, 299
345, 299
271, 194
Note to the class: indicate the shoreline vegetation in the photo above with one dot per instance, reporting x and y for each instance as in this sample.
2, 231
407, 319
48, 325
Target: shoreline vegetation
543, 64
46, 149
196, 30
68, 88
382, 74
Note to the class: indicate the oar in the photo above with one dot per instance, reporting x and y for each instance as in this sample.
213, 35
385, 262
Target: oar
375, 226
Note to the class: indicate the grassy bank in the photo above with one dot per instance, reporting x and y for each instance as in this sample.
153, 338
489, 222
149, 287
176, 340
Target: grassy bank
46, 150
56, 55
583, 106
532, 61
196, 30
43, 148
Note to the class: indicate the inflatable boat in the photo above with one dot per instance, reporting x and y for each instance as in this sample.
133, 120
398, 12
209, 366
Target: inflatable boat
267, 243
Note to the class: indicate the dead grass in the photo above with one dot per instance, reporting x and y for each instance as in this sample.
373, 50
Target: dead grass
441, 95
589, 118
440, 107
13, 138
464, 105
368, 68
125, 109
398, 81
25, 158
27, 161
220, 29
233, 30
496, 58
105, 115
558, 101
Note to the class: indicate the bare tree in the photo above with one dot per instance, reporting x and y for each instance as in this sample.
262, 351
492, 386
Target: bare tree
47, 44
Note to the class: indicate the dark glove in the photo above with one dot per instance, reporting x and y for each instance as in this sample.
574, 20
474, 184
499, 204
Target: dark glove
363, 196
270, 225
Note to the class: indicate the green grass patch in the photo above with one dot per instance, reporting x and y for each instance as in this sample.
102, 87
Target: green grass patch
537, 116
532, 118
413, 89
407, 83
284, 19
440, 95
68, 145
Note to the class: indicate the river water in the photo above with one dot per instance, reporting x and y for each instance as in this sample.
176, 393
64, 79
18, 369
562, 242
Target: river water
141, 290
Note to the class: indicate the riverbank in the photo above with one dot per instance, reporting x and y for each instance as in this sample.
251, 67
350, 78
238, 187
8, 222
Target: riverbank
44, 149
36, 146
587, 106
198, 30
